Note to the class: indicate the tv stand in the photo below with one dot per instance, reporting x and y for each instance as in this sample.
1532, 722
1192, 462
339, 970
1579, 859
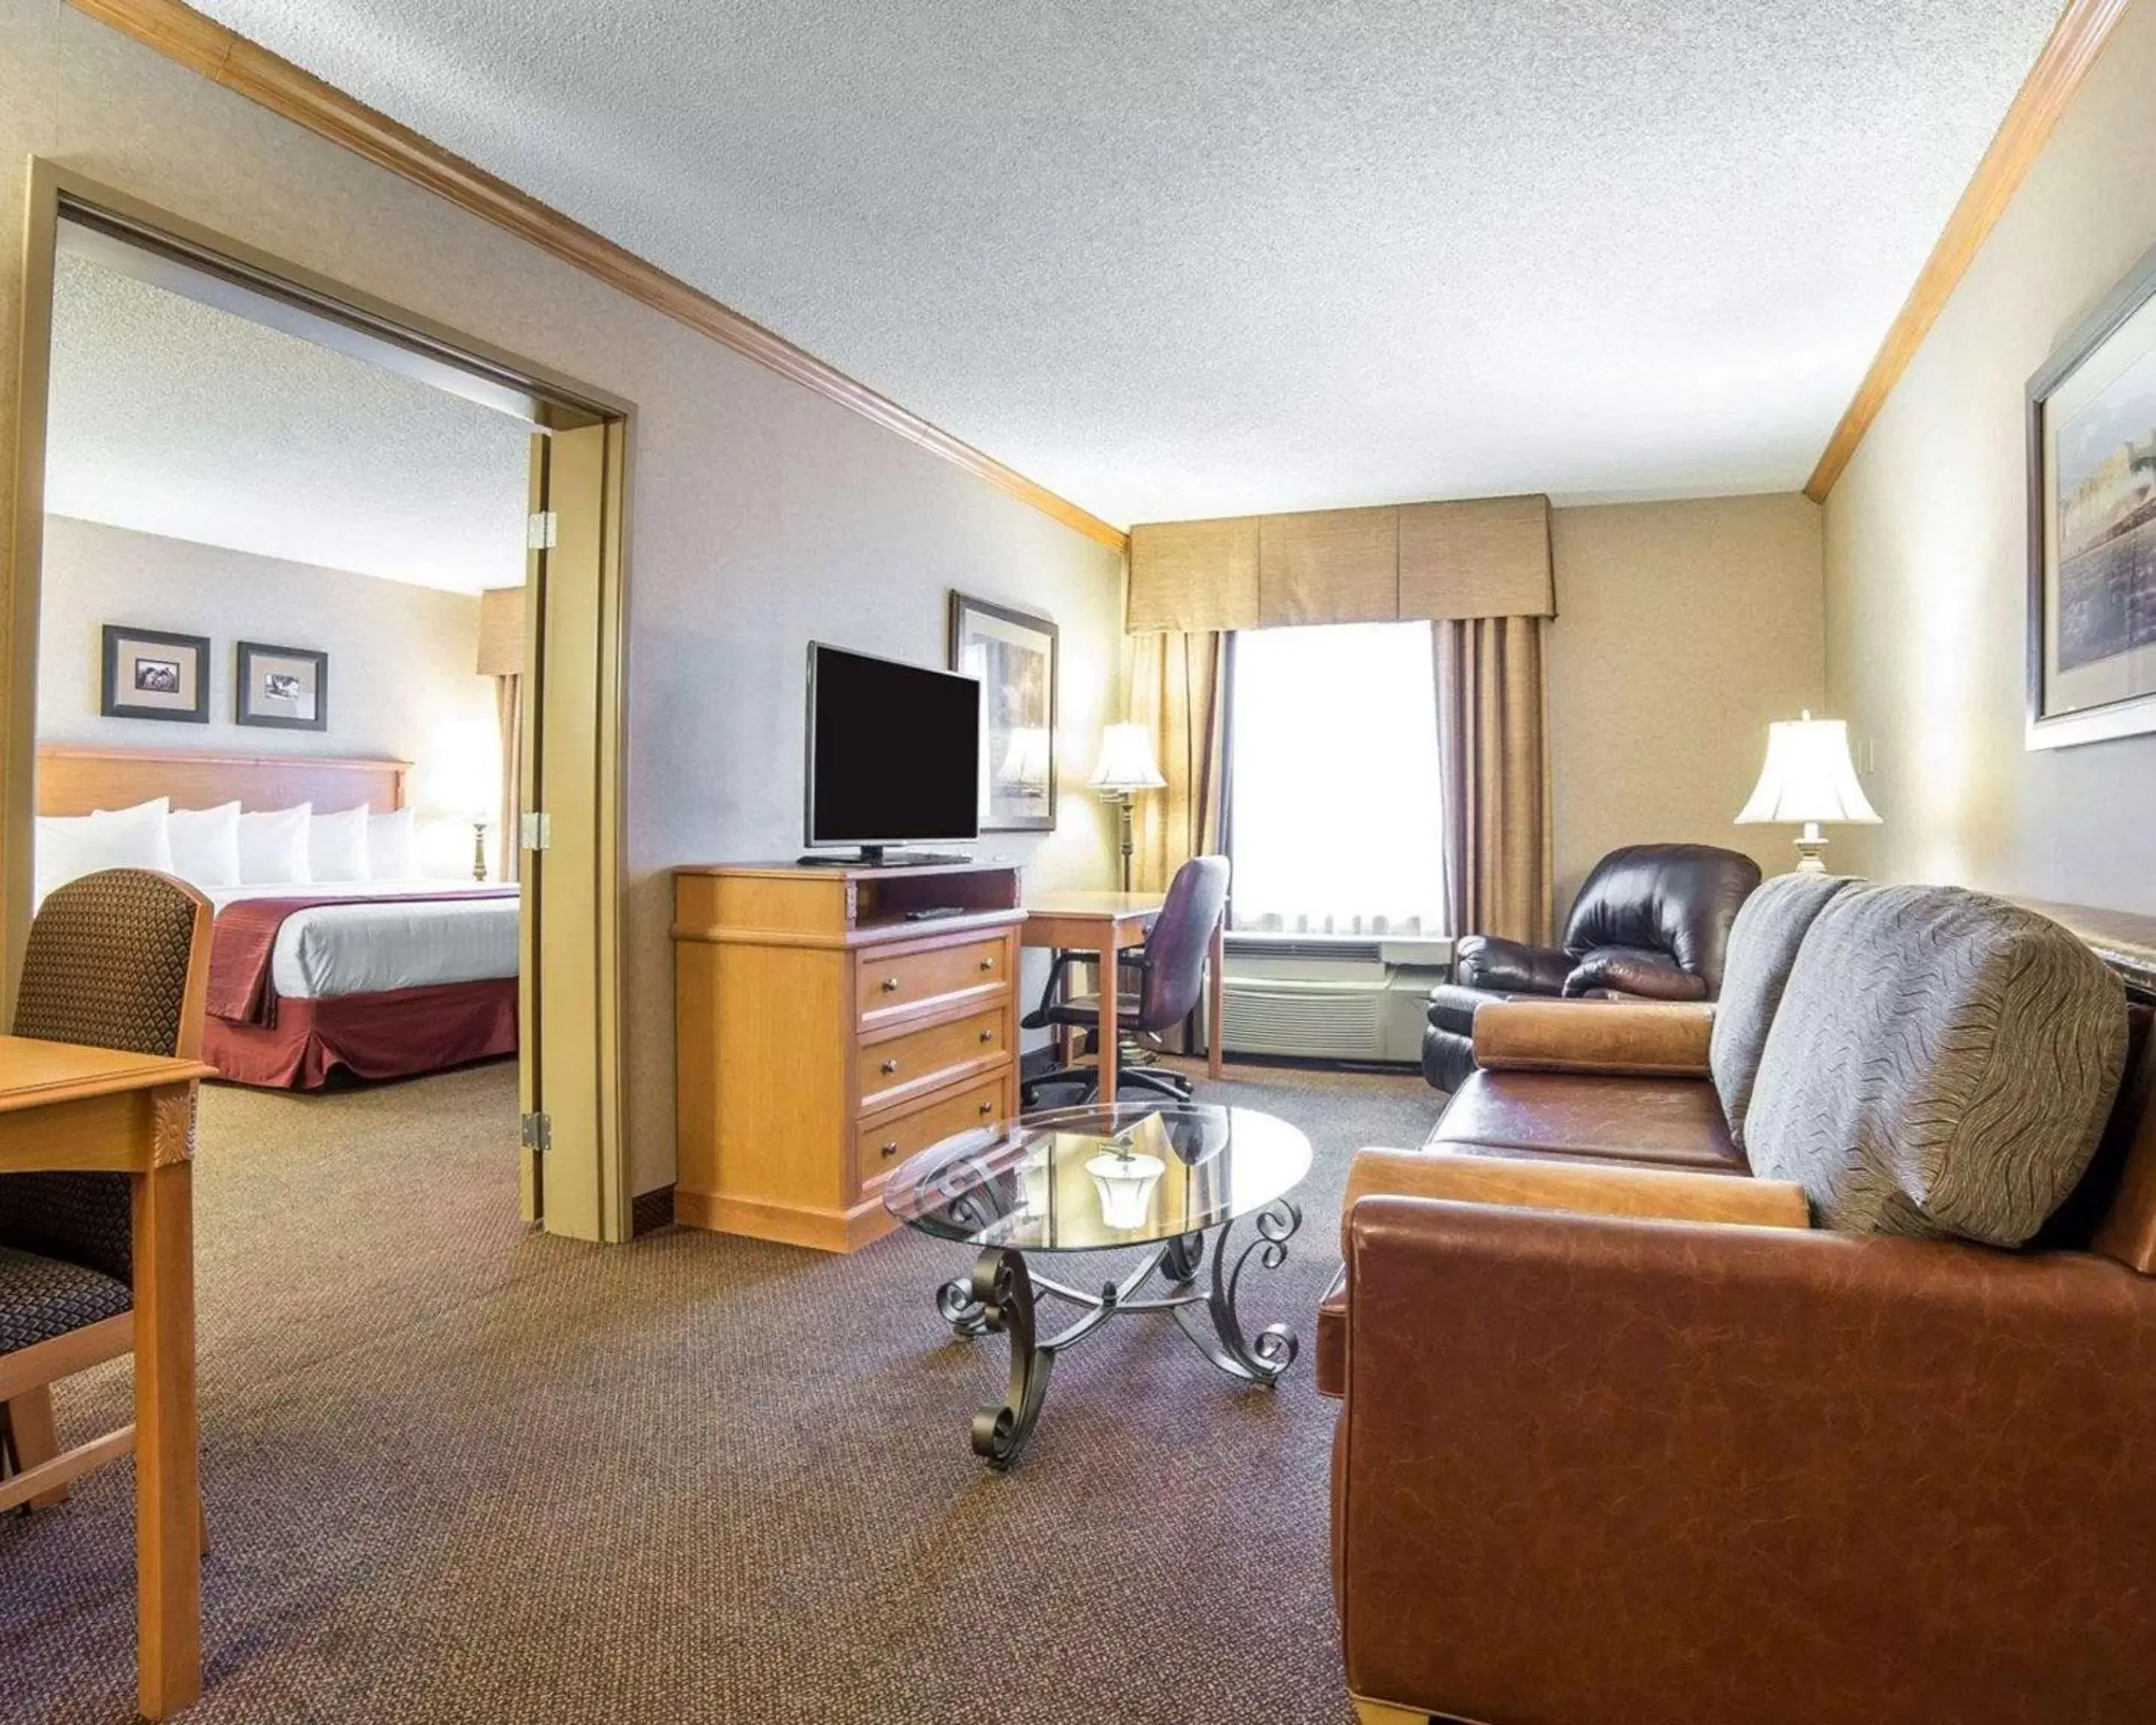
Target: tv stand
877, 856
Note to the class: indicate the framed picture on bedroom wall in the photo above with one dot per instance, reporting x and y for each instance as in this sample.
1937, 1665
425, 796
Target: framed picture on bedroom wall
2092, 606
285, 688
1014, 654
149, 673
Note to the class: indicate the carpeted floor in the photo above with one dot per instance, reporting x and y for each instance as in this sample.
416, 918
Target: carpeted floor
458, 1472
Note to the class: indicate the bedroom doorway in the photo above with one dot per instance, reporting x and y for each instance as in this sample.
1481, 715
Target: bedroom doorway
555, 815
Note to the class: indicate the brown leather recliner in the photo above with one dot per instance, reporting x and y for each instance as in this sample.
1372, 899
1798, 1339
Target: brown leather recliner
1651, 922
1624, 1439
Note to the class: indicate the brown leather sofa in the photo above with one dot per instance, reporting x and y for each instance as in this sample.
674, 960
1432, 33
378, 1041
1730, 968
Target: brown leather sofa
1623, 1438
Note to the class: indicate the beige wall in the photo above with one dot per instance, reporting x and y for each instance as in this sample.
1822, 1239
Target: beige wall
760, 514
1683, 628
1925, 560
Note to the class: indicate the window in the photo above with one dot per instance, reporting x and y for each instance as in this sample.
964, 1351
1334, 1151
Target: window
1335, 812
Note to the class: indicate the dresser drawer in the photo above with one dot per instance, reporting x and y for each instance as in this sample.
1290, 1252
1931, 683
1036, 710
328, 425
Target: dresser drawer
883, 985
882, 1144
923, 1056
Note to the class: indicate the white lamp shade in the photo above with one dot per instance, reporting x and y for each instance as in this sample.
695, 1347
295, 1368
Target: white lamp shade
1126, 763
1807, 776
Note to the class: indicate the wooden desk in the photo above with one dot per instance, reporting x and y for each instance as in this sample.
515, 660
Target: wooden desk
1106, 923
66, 1107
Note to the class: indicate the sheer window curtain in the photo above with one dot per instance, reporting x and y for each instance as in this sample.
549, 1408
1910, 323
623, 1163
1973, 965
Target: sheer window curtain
1337, 813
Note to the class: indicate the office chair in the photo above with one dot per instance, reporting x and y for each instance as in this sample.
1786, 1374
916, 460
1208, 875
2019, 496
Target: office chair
1168, 976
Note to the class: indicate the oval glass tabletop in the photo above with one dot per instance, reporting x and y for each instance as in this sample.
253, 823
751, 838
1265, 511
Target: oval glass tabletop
1091, 1179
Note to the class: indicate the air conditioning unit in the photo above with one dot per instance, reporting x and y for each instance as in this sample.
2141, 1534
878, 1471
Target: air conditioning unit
1329, 997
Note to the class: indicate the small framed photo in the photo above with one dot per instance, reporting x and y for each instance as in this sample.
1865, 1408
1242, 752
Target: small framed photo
151, 675
1013, 654
285, 688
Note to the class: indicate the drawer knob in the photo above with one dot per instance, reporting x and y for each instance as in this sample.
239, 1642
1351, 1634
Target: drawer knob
987, 1108
987, 1036
988, 964
889, 1149
891, 1065
890, 985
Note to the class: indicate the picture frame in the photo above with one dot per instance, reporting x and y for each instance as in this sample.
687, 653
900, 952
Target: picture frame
153, 674
1016, 656
281, 688
2092, 487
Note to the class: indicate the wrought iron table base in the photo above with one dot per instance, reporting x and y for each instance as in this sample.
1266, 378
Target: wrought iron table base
1002, 1295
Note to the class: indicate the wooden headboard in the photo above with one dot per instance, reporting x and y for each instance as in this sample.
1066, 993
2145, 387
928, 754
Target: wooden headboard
75, 781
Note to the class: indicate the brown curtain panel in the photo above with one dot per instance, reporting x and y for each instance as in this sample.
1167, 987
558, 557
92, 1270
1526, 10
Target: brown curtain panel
509, 709
1177, 688
1493, 756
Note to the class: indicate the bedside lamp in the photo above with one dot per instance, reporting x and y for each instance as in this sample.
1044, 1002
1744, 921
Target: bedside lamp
1807, 778
1126, 768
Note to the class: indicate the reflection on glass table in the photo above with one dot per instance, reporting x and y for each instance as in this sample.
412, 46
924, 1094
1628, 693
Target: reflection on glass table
1159, 1178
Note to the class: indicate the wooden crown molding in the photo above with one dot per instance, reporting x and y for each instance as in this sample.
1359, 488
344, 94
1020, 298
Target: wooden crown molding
2060, 69
229, 60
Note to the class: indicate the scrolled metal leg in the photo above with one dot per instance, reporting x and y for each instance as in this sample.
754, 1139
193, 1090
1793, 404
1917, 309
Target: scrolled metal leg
1180, 1261
956, 1307
1004, 1291
1262, 1358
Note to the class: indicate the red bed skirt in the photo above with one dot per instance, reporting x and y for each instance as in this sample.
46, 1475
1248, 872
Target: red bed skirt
397, 1035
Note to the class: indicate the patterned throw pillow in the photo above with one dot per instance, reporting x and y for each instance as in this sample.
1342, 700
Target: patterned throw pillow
1764, 940
1942, 1064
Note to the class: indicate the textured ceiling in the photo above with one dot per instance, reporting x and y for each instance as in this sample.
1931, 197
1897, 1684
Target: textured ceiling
1185, 257
170, 417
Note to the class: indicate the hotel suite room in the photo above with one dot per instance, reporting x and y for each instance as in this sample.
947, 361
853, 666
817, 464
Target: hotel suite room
1721, 416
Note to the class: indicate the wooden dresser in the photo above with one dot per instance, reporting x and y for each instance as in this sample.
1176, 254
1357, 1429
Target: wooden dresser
823, 1036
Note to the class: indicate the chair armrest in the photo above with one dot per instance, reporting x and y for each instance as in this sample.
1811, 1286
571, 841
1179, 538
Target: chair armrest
1768, 1474
1600, 1189
1489, 961
1648, 1039
1632, 970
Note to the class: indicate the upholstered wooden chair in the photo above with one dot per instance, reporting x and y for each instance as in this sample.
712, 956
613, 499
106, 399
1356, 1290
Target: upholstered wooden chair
119, 959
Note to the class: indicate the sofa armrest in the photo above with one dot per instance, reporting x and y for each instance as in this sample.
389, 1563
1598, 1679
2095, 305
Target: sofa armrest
1491, 962
1597, 1467
1656, 1039
1633, 970
1596, 1189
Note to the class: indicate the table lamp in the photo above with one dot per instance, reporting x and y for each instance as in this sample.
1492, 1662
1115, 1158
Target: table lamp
1126, 768
1807, 778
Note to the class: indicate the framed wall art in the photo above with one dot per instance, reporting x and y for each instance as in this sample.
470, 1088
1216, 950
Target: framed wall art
149, 673
2092, 603
283, 688
1014, 654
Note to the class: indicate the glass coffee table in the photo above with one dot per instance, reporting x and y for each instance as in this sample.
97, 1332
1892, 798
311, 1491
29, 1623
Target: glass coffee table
1173, 1180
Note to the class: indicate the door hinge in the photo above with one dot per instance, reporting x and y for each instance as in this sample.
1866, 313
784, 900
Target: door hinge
539, 530
538, 1133
538, 831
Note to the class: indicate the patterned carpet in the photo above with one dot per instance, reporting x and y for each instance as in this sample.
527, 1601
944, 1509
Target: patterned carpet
458, 1472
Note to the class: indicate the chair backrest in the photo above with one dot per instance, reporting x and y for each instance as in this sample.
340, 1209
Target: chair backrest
1176, 949
117, 959
1677, 899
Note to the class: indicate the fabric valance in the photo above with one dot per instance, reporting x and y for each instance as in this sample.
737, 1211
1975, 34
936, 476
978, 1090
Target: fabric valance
1488, 557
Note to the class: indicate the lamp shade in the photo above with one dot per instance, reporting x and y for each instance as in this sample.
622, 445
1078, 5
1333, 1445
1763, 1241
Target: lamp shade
1126, 763
502, 632
1807, 777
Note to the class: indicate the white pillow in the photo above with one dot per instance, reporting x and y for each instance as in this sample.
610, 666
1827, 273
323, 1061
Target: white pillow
71, 846
392, 846
336, 845
273, 846
206, 845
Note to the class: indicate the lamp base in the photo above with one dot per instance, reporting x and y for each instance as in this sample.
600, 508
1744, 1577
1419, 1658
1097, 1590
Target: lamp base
1811, 850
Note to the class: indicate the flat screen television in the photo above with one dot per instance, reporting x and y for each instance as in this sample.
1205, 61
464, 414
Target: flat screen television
893, 754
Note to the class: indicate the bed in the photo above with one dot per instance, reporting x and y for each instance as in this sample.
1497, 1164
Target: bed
378, 978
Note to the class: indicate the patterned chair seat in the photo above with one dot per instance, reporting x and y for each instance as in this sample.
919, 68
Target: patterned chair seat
41, 1298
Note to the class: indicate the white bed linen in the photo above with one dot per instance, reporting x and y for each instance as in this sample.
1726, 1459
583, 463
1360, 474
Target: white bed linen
368, 949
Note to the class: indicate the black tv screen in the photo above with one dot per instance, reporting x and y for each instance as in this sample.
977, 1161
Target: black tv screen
894, 751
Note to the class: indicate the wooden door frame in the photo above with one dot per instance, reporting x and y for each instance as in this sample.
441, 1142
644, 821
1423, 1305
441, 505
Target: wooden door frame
411, 343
